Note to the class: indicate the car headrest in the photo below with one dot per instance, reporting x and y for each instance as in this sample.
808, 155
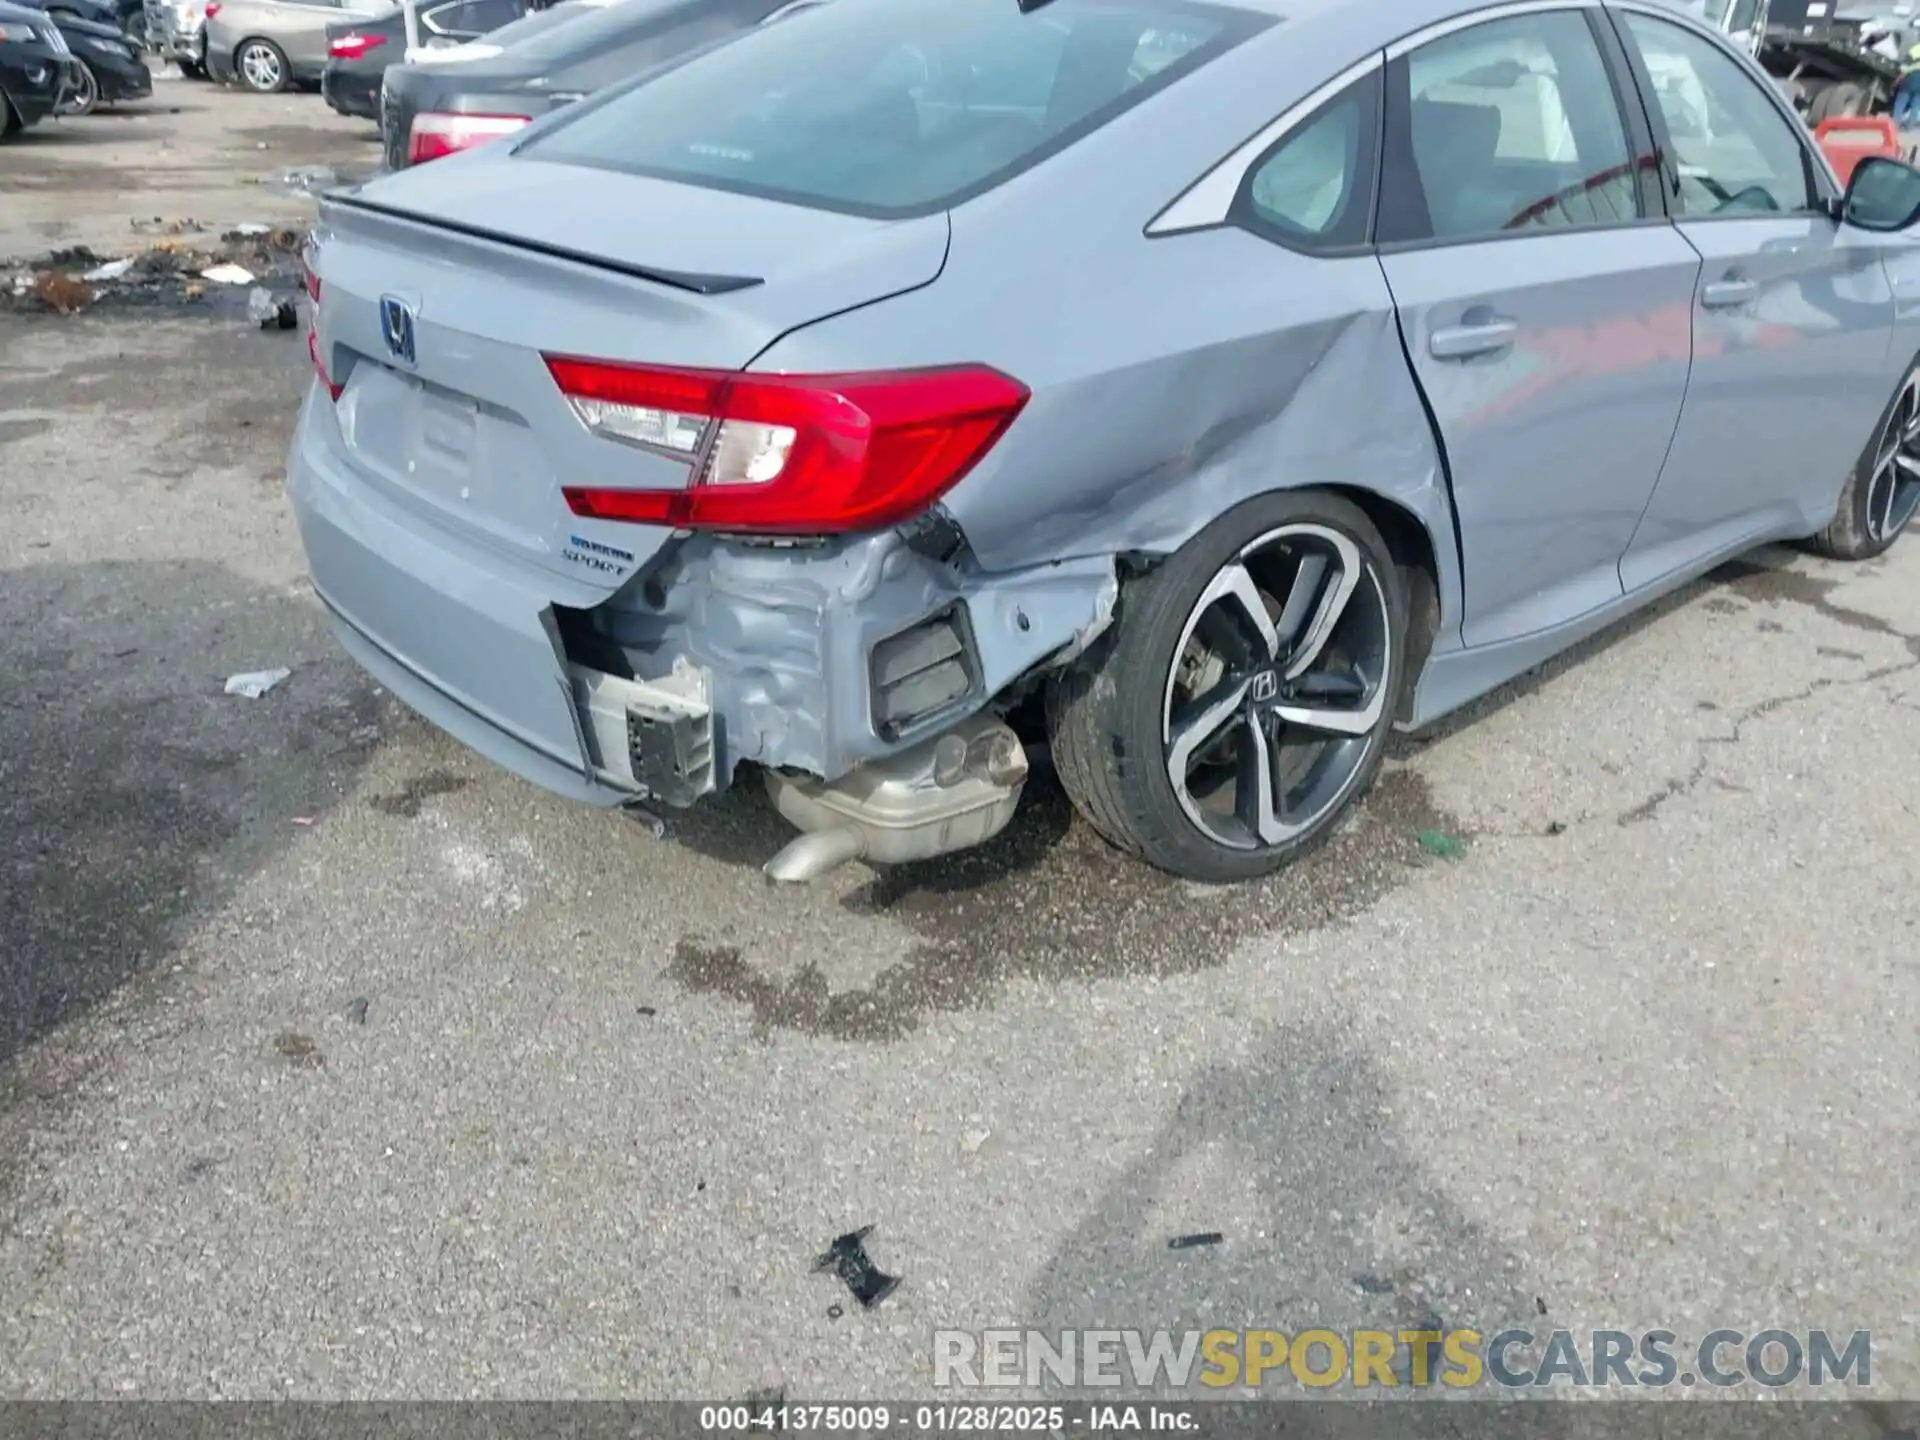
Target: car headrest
1449, 135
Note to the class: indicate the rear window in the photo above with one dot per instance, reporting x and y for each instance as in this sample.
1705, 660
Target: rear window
596, 29
895, 107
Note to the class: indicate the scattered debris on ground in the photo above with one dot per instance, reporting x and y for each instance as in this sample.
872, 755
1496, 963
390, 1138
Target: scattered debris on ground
299, 1051
228, 274
252, 684
1193, 1242
58, 292
112, 270
1442, 845
270, 311
847, 1257
182, 268
357, 1011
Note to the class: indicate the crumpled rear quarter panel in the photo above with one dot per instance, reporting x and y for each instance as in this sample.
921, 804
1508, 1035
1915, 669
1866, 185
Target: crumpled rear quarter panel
786, 632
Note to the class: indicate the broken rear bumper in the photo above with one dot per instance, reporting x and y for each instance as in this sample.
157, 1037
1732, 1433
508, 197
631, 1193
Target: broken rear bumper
816, 660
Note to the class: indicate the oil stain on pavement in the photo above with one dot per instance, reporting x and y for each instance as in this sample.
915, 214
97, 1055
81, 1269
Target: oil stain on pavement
1050, 901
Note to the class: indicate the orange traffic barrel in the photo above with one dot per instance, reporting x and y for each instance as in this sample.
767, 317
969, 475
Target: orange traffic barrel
1846, 140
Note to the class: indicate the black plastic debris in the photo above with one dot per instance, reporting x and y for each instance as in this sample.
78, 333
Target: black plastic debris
1192, 1242
1373, 1284
357, 1011
847, 1257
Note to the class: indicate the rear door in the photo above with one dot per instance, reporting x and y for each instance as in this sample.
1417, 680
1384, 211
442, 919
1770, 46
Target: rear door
1544, 301
1792, 320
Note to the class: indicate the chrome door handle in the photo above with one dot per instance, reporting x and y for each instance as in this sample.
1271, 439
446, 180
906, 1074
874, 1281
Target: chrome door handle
1725, 294
1463, 342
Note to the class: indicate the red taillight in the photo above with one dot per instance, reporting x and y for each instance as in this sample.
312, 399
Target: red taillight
313, 328
352, 47
435, 134
790, 454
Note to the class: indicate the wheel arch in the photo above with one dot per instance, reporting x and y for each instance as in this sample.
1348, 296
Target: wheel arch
1428, 565
1411, 543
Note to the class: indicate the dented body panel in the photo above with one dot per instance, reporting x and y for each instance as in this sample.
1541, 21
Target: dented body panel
1165, 375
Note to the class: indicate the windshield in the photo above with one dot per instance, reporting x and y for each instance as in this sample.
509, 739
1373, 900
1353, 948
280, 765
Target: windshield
895, 107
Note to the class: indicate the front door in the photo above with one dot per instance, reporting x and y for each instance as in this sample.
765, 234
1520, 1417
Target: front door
1544, 311
1793, 318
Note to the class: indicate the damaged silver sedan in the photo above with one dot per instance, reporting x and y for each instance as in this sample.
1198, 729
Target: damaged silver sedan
1228, 380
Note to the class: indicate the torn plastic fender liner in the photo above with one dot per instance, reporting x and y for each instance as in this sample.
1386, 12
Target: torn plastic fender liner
786, 635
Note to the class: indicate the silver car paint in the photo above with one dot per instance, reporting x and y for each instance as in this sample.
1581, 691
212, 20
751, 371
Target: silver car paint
300, 30
1173, 375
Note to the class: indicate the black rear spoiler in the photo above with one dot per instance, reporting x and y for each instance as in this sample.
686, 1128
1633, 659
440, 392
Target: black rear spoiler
689, 280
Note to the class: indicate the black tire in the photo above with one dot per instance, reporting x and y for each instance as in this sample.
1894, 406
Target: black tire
1818, 98
1880, 497
261, 66
1846, 98
9, 119
87, 98
191, 69
1108, 714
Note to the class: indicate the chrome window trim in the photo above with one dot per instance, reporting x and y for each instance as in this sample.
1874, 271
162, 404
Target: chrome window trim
1410, 43
1209, 200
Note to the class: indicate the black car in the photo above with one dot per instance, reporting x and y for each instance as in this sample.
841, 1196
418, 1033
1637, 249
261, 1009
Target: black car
360, 49
34, 66
100, 12
435, 110
106, 66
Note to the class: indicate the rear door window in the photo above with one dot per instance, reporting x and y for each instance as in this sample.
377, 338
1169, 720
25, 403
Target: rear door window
896, 107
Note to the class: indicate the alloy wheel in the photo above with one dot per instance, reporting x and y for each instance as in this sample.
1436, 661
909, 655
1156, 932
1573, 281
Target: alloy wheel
1279, 682
84, 95
260, 67
1893, 491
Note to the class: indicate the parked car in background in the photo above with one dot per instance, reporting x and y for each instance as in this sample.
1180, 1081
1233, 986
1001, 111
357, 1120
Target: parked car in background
33, 68
433, 110
177, 31
100, 12
360, 48
1246, 378
267, 45
107, 67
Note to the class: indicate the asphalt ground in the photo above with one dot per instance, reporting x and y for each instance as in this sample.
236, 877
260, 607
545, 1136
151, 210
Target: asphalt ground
337, 1064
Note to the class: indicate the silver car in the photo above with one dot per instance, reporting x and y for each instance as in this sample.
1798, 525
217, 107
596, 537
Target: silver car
177, 31
1226, 381
267, 45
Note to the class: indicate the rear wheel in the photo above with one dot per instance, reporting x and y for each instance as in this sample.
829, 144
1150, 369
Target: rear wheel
1243, 698
1883, 492
261, 66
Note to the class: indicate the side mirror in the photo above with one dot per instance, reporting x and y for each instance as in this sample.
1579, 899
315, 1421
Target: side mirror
1884, 194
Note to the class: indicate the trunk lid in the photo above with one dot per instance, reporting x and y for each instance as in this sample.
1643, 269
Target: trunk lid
491, 263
